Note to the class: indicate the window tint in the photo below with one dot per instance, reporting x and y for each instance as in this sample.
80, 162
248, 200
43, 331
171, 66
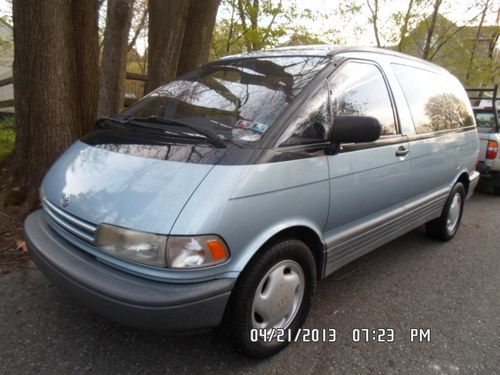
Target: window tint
312, 121
360, 89
437, 101
237, 99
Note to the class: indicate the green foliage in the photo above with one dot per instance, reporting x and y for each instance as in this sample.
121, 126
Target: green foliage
452, 48
301, 36
7, 135
6, 48
251, 25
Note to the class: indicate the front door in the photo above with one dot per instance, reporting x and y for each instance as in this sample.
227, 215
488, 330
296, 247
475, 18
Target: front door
368, 181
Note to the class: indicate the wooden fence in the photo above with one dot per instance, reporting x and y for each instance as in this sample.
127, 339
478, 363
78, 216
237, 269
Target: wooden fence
134, 77
10, 102
128, 101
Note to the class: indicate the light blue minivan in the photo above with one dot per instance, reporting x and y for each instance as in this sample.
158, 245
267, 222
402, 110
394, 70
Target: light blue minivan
224, 196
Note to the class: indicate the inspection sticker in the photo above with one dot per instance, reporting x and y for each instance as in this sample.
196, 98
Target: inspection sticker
259, 128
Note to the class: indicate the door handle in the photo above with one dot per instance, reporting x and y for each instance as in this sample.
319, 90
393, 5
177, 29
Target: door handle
402, 151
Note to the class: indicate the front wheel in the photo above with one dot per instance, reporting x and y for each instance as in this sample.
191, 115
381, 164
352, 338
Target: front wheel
446, 226
273, 295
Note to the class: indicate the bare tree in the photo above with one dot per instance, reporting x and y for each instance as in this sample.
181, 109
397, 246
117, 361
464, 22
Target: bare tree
198, 35
374, 19
141, 9
114, 57
167, 23
430, 29
447, 35
55, 73
494, 38
487, 4
248, 11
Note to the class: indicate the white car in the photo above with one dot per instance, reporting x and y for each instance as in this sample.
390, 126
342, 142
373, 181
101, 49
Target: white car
486, 114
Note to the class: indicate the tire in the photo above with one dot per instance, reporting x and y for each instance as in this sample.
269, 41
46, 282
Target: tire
283, 262
496, 190
446, 226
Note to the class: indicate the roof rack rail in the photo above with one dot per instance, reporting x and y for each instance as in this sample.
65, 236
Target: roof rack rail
481, 90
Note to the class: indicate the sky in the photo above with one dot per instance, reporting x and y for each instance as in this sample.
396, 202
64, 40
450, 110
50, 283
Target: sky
357, 31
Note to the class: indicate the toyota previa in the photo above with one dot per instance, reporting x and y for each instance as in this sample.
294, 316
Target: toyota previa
223, 197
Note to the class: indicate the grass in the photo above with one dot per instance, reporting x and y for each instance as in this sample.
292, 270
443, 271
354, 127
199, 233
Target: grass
7, 135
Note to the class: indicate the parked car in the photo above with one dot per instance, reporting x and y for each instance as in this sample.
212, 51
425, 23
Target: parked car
224, 196
487, 113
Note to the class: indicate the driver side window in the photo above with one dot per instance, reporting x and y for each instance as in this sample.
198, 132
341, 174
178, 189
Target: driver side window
358, 88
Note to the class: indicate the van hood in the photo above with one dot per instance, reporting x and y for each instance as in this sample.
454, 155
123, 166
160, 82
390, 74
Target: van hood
122, 189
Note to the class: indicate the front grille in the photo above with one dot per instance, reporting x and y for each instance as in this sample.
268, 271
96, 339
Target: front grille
77, 227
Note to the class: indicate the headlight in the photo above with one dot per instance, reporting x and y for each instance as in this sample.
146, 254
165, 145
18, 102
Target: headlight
162, 251
140, 247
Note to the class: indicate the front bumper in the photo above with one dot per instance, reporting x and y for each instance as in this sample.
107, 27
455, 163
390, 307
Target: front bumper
122, 297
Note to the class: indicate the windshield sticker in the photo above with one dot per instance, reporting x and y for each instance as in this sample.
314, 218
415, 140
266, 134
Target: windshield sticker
254, 126
243, 124
259, 128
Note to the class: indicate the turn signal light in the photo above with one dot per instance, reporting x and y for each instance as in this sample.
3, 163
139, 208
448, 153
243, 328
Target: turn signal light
218, 250
492, 150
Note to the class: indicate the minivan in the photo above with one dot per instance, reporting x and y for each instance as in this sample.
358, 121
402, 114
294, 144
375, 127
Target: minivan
227, 194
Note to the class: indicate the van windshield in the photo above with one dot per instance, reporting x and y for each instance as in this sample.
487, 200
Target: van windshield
238, 99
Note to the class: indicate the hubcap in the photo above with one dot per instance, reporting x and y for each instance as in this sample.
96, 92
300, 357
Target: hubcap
454, 212
278, 296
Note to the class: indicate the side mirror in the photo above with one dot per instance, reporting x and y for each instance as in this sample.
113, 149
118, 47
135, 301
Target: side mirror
355, 129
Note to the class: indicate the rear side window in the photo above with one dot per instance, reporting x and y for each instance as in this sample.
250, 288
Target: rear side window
358, 88
485, 119
437, 101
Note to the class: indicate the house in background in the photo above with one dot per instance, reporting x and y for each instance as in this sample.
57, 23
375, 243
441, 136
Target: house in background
6, 60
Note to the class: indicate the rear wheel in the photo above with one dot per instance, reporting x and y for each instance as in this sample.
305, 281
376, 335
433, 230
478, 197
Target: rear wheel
272, 295
445, 227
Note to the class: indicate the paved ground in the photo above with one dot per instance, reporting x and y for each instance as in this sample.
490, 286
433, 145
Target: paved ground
451, 288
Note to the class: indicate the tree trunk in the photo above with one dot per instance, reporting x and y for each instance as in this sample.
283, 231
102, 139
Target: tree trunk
167, 23
114, 57
404, 27
55, 75
476, 40
198, 35
430, 30
85, 57
494, 38
374, 12
138, 30
243, 19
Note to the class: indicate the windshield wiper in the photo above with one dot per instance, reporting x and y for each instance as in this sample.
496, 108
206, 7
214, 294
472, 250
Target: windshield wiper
119, 119
206, 132
209, 134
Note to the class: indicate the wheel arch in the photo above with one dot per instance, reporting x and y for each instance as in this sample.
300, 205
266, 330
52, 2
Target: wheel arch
464, 179
304, 233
